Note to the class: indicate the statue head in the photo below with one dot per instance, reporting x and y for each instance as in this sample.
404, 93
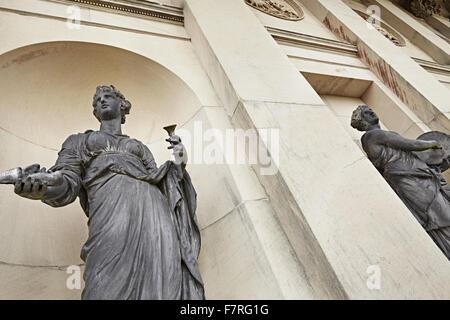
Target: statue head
108, 102
363, 117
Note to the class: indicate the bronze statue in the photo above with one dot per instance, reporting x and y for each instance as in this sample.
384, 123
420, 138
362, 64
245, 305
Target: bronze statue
413, 172
143, 239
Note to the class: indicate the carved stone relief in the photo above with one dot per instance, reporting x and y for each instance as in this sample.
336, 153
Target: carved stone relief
384, 29
283, 9
426, 8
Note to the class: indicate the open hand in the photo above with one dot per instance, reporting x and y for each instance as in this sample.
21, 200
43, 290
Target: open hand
35, 182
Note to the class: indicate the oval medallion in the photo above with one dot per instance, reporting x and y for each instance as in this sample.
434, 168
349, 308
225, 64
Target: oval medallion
384, 29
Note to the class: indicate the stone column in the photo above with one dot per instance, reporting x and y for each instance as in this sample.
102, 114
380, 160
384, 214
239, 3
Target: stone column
338, 213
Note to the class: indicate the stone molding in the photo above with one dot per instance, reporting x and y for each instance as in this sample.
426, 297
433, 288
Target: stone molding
283, 9
291, 38
433, 67
141, 8
308, 41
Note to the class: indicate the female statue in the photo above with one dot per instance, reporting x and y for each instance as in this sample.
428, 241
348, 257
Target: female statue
420, 186
143, 235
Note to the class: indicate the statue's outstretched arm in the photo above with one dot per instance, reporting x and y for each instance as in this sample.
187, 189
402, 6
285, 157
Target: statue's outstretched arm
35, 183
59, 186
396, 141
42, 185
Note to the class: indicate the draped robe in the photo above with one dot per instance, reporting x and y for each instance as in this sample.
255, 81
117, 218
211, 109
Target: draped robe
143, 238
422, 189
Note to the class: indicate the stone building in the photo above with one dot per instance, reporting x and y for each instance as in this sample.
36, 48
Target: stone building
324, 224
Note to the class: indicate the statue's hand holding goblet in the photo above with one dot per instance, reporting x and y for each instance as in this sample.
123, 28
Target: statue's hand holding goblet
179, 151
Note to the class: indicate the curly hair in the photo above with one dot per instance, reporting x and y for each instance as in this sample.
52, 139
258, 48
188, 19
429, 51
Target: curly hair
125, 105
358, 122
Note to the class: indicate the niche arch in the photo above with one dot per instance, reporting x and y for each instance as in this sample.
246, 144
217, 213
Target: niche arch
47, 91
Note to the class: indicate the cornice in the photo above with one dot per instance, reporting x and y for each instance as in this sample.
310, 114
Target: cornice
308, 41
433, 67
140, 8
338, 47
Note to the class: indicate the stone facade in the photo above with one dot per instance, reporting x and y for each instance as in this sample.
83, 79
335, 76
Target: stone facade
317, 226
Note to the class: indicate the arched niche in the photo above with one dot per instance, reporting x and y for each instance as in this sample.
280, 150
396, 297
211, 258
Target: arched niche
47, 92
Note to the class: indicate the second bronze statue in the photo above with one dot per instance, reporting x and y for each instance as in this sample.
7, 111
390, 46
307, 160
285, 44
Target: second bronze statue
144, 239
413, 168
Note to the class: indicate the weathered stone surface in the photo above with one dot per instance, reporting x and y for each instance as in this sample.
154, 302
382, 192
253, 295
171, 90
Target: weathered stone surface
37, 283
312, 205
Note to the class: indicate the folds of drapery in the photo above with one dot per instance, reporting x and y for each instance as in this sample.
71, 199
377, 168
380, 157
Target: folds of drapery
174, 183
424, 194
